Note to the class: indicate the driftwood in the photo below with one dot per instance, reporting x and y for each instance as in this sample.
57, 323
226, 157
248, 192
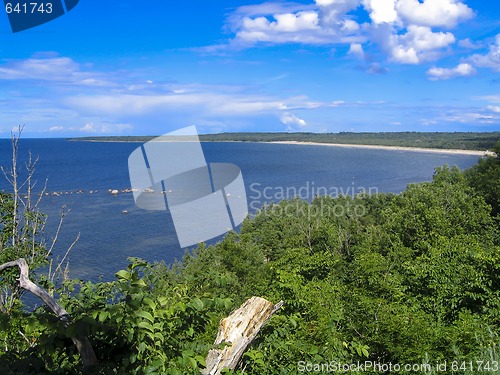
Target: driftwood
83, 345
238, 330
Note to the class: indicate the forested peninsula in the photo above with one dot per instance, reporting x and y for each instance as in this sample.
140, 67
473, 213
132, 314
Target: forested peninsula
439, 140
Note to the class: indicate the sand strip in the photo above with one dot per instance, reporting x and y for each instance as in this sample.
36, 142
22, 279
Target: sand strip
392, 148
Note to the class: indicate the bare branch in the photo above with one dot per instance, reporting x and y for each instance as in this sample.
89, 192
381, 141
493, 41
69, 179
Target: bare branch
58, 268
82, 343
58, 230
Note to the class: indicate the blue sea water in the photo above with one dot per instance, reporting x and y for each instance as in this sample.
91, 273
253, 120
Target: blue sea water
83, 173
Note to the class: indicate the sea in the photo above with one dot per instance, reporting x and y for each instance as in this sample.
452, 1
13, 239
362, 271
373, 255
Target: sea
78, 178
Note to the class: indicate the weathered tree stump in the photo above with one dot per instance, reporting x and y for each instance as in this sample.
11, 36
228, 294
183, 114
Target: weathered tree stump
238, 330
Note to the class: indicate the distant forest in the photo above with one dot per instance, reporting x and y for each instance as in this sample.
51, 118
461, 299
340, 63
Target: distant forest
441, 140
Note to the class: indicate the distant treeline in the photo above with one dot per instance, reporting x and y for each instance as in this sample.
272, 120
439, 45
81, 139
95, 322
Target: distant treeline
442, 140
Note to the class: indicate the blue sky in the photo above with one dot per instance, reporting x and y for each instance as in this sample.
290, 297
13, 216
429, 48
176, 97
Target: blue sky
150, 67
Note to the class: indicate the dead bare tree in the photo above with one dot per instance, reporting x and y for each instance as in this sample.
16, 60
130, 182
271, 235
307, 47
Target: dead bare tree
22, 230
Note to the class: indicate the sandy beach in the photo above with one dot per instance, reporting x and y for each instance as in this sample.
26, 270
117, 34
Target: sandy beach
392, 148
374, 147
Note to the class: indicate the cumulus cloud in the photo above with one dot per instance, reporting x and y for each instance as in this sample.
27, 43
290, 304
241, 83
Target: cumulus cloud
381, 11
407, 31
296, 22
461, 70
284, 27
292, 122
491, 59
324, 22
417, 45
446, 13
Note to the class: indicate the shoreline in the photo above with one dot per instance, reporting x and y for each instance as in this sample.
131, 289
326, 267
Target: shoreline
389, 148
345, 145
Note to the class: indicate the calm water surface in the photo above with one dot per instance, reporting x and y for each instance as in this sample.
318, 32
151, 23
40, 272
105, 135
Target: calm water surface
108, 236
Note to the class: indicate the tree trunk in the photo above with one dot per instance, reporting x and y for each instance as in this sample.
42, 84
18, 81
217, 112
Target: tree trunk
238, 330
83, 345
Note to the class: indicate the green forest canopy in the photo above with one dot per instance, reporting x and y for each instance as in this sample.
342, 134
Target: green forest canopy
413, 279
441, 140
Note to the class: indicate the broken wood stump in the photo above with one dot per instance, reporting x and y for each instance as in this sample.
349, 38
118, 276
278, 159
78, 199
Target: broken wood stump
238, 330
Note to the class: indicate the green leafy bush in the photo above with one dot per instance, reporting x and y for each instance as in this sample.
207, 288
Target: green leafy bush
408, 278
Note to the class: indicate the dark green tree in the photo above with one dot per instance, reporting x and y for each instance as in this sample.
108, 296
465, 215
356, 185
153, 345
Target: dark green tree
484, 177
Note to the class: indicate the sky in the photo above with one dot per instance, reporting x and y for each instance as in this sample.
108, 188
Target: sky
149, 67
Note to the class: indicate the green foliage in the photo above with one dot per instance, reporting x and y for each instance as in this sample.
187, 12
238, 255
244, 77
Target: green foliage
136, 324
140, 325
20, 227
408, 278
484, 177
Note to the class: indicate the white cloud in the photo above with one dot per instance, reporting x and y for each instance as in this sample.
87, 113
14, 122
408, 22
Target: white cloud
349, 26
445, 13
381, 11
423, 38
469, 44
493, 108
301, 27
491, 59
61, 104
332, 12
337, 103
104, 128
489, 98
325, 22
89, 128
265, 9
461, 70
356, 49
376, 68
296, 22
403, 29
206, 102
417, 45
292, 122
469, 117
43, 69
55, 69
